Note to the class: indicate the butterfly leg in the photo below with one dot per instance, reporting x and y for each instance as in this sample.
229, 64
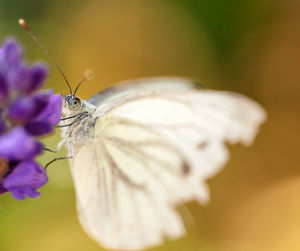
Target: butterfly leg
78, 117
59, 146
74, 116
61, 158
50, 150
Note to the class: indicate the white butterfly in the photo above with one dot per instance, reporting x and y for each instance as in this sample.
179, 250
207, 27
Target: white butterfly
143, 147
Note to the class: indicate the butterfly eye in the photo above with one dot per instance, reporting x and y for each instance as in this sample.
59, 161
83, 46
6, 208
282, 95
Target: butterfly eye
74, 104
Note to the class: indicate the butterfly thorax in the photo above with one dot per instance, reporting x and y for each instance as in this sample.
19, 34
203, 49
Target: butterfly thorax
78, 125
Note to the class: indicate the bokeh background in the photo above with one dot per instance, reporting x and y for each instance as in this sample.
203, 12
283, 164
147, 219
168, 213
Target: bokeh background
251, 47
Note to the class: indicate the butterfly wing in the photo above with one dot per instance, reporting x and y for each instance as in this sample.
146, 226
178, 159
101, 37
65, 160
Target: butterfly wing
153, 150
131, 86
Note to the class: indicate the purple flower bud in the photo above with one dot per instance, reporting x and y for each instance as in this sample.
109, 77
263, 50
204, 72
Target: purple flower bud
38, 76
39, 128
11, 54
21, 110
25, 80
52, 112
47, 116
25, 178
18, 145
18, 76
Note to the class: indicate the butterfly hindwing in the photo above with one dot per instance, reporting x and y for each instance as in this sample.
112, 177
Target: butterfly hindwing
122, 194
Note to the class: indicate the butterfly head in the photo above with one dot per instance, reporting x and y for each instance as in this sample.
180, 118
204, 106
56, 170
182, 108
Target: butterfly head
72, 102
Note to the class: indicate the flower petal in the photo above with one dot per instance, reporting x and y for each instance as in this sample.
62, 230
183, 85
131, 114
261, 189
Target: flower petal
41, 100
44, 122
11, 53
21, 110
18, 145
16, 193
38, 76
39, 128
19, 79
46, 115
52, 112
25, 179
26, 80
25, 109
30, 192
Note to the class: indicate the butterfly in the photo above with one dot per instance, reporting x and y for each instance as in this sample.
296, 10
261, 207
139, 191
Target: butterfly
140, 148
143, 147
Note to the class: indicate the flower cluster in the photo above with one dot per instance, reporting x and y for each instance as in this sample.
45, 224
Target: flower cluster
25, 114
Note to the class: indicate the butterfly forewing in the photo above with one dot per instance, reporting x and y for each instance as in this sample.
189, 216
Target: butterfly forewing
154, 149
132, 86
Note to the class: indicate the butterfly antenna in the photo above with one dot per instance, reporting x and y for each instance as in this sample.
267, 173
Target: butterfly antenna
88, 75
26, 28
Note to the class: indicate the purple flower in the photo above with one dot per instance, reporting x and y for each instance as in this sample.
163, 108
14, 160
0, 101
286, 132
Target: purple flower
47, 116
24, 179
25, 114
17, 145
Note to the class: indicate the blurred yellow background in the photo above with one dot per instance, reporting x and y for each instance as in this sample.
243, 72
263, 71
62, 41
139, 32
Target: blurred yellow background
251, 47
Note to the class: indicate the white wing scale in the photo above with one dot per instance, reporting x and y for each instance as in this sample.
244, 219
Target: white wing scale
152, 150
